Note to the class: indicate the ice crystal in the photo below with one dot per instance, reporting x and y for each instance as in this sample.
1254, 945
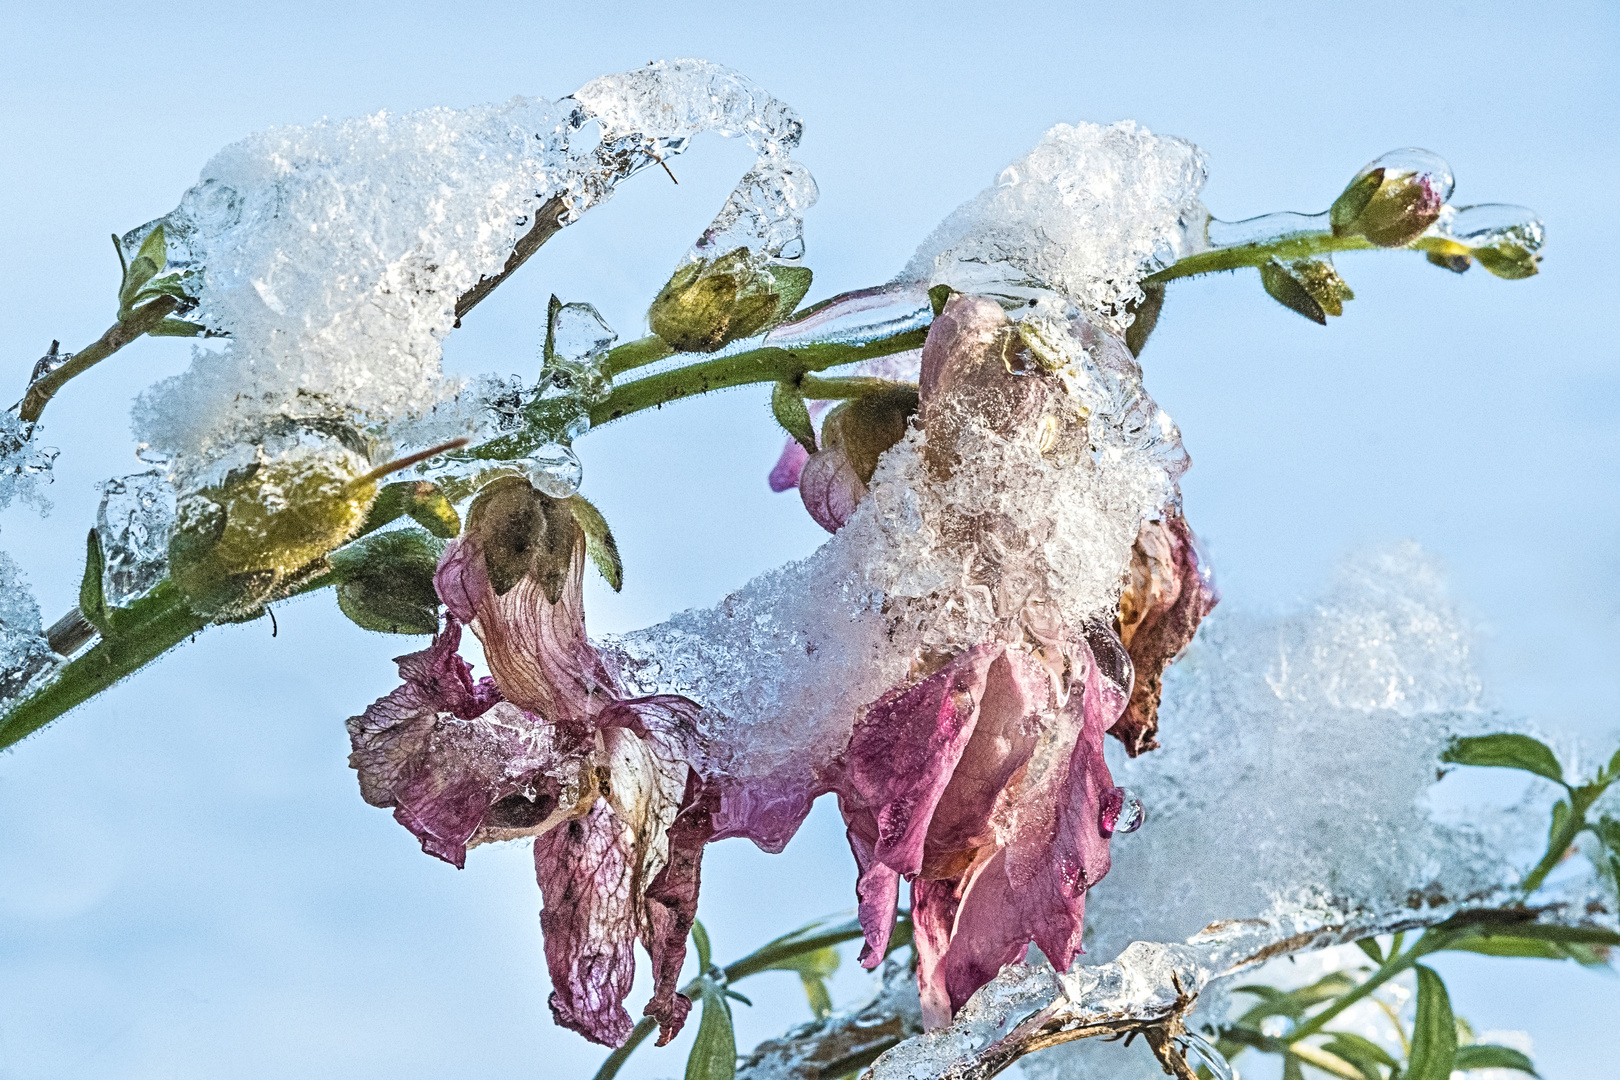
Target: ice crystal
133, 524
334, 254
1088, 213
24, 652
25, 463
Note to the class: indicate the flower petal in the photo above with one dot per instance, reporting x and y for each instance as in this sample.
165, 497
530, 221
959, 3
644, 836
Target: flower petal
586, 871
965, 375
785, 474
672, 905
830, 487
1167, 596
933, 917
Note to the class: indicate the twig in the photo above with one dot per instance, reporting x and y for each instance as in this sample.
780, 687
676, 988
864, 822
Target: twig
144, 318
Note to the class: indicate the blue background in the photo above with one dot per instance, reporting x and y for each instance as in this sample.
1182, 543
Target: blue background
190, 885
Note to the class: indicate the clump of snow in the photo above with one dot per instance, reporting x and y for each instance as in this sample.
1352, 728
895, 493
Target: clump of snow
334, 254
25, 462
1089, 212
24, 652
133, 525
783, 665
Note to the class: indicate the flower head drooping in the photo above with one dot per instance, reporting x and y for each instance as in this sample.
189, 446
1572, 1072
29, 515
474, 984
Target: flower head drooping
613, 788
833, 480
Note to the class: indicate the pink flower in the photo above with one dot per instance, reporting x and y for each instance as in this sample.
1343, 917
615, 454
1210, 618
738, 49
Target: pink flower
612, 787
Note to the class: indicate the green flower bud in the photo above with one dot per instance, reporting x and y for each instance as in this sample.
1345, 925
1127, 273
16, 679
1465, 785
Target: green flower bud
1393, 200
707, 304
268, 527
862, 428
385, 582
1311, 287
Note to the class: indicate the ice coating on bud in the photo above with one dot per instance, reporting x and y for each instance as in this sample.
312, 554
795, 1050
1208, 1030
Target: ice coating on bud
334, 254
711, 302
1087, 214
765, 213
858, 317
133, 523
1505, 239
1394, 198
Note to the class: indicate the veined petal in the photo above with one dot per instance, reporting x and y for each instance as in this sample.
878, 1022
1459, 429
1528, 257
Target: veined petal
671, 904
785, 473
830, 487
586, 871
933, 917
1167, 596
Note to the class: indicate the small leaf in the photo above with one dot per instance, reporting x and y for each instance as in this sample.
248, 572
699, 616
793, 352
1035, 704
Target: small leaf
141, 270
1353, 200
1501, 945
1355, 1049
714, 1051
177, 328
421, 500
1146, 317
549, 349
787, 405
733, 995
1487, 1056
938, 296
1434, 1032
1560, 817
1284, 288
1371, 948
1613, 771
92, 601
700, 938
1457, 264
599, 543
155, 247
815, 992
1507, 751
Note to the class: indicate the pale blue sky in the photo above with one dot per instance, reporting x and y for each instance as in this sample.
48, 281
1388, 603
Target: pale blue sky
190, 885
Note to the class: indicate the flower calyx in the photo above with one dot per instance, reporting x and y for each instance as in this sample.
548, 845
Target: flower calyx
709, 303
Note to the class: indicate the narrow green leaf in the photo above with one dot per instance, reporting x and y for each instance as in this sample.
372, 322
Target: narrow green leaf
1486, 1056
1580, 935
792, 282
1145, 316
787, 405
733, 995
700, 938
549, 350
92, 601
1434, 1033
1560, 817
1508, 946
177, 328
599, 543
141, 270
1355, 1049
714, 1051
1507, 751
1613, 771
1291, 1068
938, 297
1371, 948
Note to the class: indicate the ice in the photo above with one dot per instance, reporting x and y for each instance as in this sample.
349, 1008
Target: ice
820, 1047
765, 213
334, 254
1088, 213
133, 524
25, 463
857, 317
24, 652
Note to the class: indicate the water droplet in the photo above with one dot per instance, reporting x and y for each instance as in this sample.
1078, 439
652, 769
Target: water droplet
793, 249
1413, 160
554, 470
53, 359
1275, 1027
579, 334
1195, 1045
1121, 812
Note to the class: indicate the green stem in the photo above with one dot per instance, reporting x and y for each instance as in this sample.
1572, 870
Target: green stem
1581, 800
1431, 942
634, 354
1290, 246
121, 333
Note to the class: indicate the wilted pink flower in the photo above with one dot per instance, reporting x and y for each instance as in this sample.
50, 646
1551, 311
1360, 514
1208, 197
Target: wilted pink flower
612, 787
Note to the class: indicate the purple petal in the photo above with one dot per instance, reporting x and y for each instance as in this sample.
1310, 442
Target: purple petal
785, 474
586, 870
991, 929
933, 918
830, 487
538, 651
442, 757
965, 376
1167, 597
672, 905
767, 811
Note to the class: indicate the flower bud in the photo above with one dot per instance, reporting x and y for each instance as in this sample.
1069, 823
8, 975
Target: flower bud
709, 303
1312, 287
1394, 199
853, 437
523, 533
385, 582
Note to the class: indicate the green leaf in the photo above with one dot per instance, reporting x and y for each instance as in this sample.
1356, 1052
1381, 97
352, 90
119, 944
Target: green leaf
1145, 317
599, 543
155, 247
714, 1052
1294, 1003
938, 296
1434, 1033
1486, 1056
1371, 948
549, 349
1560, 818
1613, 771
1353, 200
1506, 751
385, 581
700, 938
1356, 1050
813, 968
141, 270
1579, 935
177, 328
92, 601
1508, 946
734, 996
787, 405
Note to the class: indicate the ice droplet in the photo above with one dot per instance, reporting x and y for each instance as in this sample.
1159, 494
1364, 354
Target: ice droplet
25, 465
1275, 1027
133, 524
53, 359
1122, 812
857, 317
764, 213
579, 334
554, 470
1415, 161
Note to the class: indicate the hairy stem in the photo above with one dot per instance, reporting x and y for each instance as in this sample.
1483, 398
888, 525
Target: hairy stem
121, 333
1297, 245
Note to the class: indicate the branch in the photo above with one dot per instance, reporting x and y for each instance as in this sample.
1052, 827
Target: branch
121, 333
547, 223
